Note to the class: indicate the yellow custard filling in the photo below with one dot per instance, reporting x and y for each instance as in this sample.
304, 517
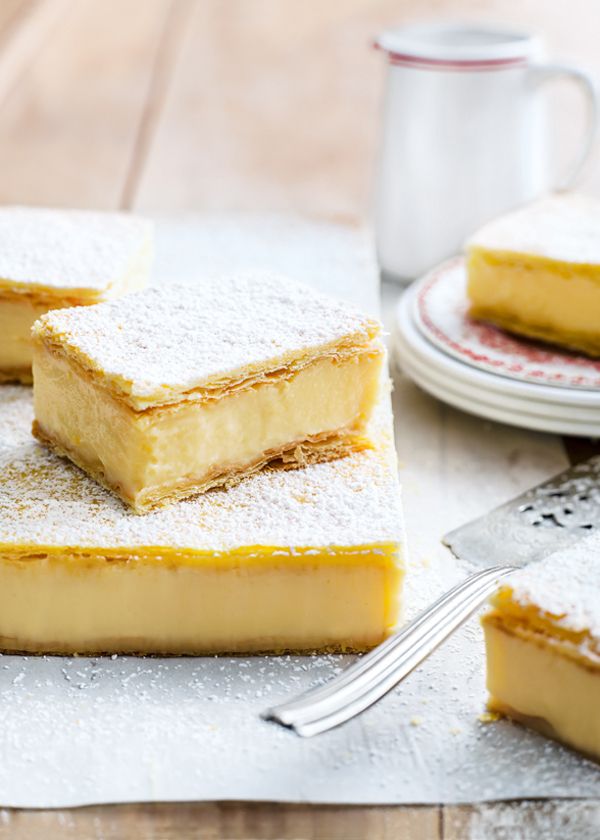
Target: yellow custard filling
543, 646
162, 601
536, 682
537, 297
145, 456
17, 316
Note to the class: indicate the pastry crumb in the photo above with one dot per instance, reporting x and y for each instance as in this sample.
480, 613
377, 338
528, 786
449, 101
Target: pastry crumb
489, 717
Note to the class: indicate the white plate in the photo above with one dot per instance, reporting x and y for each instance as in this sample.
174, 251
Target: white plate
498, 414
585, 413
543, 411
486, 395
440, 312
481, 408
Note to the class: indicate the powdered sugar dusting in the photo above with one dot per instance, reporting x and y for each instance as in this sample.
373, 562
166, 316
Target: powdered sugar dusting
82, 730
64, 250
162, 341
566, 586
45, 501
16, 417
565, 228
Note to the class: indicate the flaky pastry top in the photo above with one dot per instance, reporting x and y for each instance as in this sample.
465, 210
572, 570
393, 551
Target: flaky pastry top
560, 595
562, 228
72, 253
193, 342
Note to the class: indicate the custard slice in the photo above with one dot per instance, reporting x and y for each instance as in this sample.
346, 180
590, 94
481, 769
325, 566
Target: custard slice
302, 560
179, 389
55, 258
536, 272
543, 647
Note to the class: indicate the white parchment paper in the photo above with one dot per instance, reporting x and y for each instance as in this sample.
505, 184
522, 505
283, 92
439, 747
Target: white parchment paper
75, 731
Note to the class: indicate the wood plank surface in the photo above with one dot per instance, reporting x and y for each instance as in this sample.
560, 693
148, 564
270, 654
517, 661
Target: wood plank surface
24, 26
174, 105
540, 820
216, 821
69, 123
277, 107
535, 820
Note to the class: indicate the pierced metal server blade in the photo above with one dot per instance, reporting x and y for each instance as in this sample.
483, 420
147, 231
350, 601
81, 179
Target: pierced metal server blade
542, 520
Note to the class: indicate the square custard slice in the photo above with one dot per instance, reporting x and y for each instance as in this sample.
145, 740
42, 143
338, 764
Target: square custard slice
55, 258
536, 272
302, 560
179, 389
543, 647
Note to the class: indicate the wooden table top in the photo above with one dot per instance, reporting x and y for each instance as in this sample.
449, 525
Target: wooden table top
175, 105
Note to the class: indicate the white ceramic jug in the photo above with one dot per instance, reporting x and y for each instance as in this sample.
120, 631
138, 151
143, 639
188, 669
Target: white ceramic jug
465, 137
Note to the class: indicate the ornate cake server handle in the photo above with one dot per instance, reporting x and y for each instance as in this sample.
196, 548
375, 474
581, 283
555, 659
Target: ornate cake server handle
375, 674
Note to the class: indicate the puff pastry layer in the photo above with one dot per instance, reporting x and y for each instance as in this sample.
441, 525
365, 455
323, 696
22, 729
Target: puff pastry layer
543, 647
536, 272
177, 390
56, 258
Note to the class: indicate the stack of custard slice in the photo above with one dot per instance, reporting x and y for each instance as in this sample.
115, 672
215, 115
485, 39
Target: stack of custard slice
216, 470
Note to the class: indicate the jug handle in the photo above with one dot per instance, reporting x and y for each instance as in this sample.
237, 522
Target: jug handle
541, 73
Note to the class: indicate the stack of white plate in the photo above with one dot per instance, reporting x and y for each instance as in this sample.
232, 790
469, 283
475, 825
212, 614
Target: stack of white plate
483, 370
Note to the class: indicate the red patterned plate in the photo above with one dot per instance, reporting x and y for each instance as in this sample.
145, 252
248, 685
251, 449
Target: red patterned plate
440, 312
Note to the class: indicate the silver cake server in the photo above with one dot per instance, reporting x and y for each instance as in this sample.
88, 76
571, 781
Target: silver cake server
544, 519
